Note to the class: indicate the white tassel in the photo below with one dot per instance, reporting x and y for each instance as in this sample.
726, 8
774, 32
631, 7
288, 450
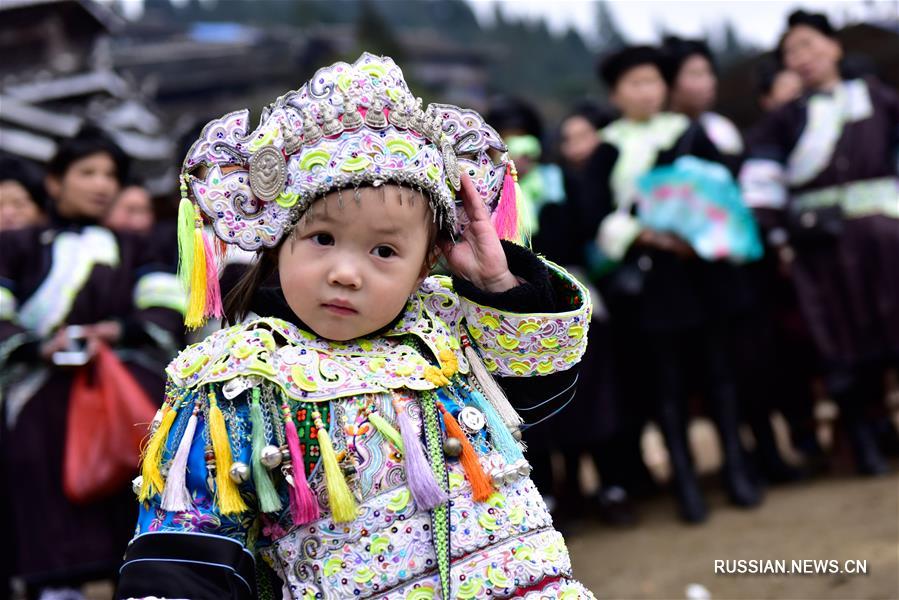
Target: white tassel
176, 497
494, 394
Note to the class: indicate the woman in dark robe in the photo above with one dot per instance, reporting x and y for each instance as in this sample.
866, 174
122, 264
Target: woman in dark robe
667, 308
691, 75
72, 271
822, 173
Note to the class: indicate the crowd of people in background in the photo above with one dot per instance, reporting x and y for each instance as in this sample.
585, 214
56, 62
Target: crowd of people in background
674, 335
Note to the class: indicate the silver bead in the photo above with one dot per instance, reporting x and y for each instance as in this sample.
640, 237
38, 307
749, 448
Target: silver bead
524, 469
136, 484
452, 446
270, 457
516, 433
239, 472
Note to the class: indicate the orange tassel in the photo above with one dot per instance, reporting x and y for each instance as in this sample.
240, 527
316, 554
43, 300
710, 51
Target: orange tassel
481, 485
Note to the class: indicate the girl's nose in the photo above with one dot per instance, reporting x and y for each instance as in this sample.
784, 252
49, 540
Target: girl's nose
345, 273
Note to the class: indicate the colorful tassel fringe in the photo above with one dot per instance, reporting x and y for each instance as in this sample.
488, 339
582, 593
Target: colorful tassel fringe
213, 306
387, 430
228, 495
424, 487
153, 482
340, 499
500, 436
196, 303
481, 485
492, 392
303, 505
505, 218
176, 497
197, 265
186, 218
269, 501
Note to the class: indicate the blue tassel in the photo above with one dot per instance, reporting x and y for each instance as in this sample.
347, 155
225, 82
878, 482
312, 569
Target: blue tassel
500, 435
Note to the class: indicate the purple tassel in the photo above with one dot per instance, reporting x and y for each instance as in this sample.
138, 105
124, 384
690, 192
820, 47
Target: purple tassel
425, 490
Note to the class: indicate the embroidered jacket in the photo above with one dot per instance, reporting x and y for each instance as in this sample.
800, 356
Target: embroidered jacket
214, 520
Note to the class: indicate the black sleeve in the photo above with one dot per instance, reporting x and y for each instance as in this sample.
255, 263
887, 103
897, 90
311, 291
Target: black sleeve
187, 565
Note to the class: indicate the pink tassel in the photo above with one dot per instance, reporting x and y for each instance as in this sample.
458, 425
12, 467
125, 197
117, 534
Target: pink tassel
505, 218
425, 490
303, 505
213, 292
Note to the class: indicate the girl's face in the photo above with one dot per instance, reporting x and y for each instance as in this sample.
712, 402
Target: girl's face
695, 87
17, 209
87, 189
640, 93
579, 140
814, 56
350, 266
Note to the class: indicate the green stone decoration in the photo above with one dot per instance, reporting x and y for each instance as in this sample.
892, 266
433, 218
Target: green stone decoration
440, 516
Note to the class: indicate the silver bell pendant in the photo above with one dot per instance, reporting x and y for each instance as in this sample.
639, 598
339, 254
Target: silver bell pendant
452, 446
270, 456
136, 484
239, 472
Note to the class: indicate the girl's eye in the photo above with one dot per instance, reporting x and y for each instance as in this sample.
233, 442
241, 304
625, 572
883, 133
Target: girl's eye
323, 239
384, 252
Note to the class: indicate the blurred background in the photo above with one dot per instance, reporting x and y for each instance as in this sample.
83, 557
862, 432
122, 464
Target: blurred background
149, 73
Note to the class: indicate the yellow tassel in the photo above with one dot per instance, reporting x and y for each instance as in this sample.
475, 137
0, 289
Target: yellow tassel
153, 482
196, 306
227, 493
340, 499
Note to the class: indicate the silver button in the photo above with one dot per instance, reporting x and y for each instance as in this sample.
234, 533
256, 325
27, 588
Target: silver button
644, 263
472, 419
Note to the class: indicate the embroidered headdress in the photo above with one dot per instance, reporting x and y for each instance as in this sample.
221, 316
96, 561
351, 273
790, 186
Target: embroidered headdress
351, 125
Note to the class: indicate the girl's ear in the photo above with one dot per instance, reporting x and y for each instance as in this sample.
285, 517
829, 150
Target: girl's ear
430, 260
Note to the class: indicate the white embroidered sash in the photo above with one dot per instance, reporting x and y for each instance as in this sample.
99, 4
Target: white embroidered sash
74, 256
827, 114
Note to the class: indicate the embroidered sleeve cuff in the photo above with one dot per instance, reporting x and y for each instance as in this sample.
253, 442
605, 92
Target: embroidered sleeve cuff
516, 344
616, 234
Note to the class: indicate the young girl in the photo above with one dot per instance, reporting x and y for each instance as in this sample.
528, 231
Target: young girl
352, 439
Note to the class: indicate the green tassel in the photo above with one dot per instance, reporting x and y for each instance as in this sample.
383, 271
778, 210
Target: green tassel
387, 430
186, 218
269, 501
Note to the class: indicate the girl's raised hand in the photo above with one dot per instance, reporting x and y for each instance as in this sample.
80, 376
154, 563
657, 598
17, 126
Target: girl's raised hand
478, 256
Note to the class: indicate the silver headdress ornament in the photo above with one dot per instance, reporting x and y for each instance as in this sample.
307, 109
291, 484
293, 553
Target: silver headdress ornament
350, 125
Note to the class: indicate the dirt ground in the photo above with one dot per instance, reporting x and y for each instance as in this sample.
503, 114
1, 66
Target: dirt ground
834, 518
841, 517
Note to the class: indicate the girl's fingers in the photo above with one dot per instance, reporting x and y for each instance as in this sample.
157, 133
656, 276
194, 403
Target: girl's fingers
471, 201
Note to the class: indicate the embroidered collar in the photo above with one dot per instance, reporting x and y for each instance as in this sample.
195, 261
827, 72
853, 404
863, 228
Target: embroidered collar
310, 368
